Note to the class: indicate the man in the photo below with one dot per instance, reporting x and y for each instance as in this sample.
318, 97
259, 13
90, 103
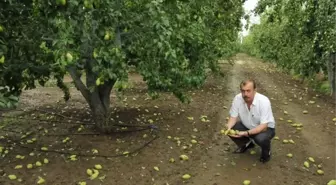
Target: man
251, 114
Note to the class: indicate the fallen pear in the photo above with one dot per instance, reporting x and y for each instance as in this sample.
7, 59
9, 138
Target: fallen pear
252, 152
156, 168
73, 158
320, 172
186, 176
12, 177
290, 155
81, 183
332, 182
20, 157
334, 119
40, 180
306, 164
246, 182
98, 167
193, 141
18, 167
305, 112
171, 160
29, 166
311, 159
184, 157
38, 163
285, 141
276, 138
94, 151
89, 172
95, 174
66, 140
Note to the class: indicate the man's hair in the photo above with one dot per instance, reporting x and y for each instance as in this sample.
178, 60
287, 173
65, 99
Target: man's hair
244, 82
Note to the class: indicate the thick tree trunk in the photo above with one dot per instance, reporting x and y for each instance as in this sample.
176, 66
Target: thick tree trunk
100, 106
98, 98
332, 72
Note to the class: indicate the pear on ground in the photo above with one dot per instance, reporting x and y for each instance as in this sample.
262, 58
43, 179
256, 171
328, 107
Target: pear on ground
246, 182
186, 176
12, 177
332, 182
40, 180
320, 172
184, 157
306, 164
311, 159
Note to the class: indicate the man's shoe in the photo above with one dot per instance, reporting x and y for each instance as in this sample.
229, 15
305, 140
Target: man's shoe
243, 149
265, 158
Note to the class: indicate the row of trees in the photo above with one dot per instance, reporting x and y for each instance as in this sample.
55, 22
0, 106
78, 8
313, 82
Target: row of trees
297, 35
171, 43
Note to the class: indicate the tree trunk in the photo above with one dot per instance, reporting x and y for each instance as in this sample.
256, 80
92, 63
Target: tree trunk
98, 98
332, 72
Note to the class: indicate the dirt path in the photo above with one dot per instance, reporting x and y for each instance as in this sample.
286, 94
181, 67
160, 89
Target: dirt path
316, 139
211, 161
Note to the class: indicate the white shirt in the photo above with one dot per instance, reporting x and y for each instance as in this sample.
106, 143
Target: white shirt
259, 113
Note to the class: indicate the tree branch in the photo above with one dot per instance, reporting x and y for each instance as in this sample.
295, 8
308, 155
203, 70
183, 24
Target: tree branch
78, 83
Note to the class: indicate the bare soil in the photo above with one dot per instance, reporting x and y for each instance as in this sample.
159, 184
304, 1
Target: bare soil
211, 161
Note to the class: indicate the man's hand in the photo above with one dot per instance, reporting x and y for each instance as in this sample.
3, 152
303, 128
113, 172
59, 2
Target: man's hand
231, 122
240, 134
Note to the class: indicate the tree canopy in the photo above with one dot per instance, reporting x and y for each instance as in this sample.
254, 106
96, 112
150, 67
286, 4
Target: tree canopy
171, 43
297, 35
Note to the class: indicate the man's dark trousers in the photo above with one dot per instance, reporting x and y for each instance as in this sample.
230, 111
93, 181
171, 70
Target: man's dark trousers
262, 139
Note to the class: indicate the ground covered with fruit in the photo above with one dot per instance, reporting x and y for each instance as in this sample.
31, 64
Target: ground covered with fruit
53, 142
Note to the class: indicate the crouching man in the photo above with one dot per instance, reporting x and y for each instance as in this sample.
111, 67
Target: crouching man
251, 114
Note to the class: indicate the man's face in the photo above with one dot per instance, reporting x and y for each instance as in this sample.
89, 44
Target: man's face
248, 92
